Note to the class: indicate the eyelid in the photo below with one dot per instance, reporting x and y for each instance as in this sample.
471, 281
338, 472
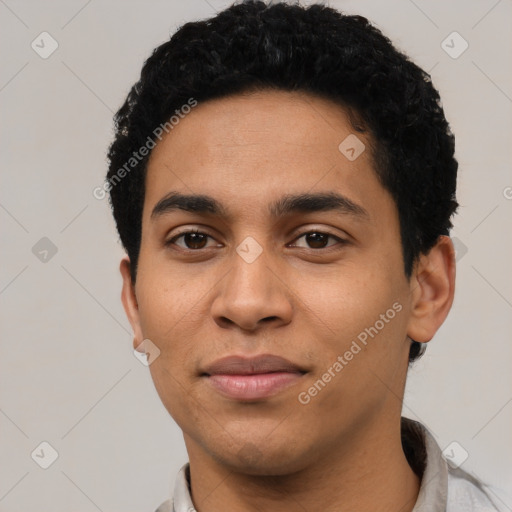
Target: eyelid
175, 236
339, 239
324, 230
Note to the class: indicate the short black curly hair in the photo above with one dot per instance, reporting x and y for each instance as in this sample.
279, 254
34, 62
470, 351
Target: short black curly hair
317, 50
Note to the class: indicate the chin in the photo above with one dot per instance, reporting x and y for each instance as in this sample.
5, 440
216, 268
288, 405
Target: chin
263, 459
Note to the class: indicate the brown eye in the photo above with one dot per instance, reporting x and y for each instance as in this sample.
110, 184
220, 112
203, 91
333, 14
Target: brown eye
195, 240
318, 240
192, 240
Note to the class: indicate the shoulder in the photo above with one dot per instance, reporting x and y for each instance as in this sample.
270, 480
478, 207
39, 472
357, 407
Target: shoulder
443, 487
166, 506
467, 494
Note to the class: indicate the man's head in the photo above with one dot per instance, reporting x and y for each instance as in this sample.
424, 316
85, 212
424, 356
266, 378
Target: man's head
316, 168
317, 50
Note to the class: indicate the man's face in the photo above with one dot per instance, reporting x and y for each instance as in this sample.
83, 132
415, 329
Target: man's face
323, 279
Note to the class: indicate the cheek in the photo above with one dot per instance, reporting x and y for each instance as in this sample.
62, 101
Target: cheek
362, 349
348, 301
360, 317
168, 307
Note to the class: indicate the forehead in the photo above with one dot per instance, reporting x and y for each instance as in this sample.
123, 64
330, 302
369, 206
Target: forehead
286, 124
252, 148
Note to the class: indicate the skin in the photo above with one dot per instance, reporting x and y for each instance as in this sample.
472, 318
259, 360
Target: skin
303, 301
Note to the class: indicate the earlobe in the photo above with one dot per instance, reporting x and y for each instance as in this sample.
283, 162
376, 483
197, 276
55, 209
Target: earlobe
432, 290
129, 301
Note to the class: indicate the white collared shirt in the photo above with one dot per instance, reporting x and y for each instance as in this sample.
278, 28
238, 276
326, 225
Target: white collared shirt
442, 489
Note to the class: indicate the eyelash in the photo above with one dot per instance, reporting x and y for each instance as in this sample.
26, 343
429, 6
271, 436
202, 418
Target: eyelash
340, 241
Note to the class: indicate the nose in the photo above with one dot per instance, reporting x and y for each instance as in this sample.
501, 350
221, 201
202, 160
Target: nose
252, 295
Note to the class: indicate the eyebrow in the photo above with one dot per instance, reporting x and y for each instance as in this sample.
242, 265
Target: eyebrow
286, 205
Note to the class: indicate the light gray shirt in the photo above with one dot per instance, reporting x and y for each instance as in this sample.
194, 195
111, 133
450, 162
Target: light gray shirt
444, 488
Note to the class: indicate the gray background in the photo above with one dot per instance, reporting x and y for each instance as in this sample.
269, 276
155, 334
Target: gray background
67, 372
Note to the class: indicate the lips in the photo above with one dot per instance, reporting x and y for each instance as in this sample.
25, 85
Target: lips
236, 365
254, 378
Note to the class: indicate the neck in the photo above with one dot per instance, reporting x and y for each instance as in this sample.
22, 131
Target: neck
368, 472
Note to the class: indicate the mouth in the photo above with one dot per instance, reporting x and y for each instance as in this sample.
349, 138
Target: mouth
255, 378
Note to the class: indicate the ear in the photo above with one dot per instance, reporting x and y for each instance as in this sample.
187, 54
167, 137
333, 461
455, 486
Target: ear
129, 301
432, 290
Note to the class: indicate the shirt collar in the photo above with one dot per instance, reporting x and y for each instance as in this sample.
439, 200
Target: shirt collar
434, 481
433, 492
